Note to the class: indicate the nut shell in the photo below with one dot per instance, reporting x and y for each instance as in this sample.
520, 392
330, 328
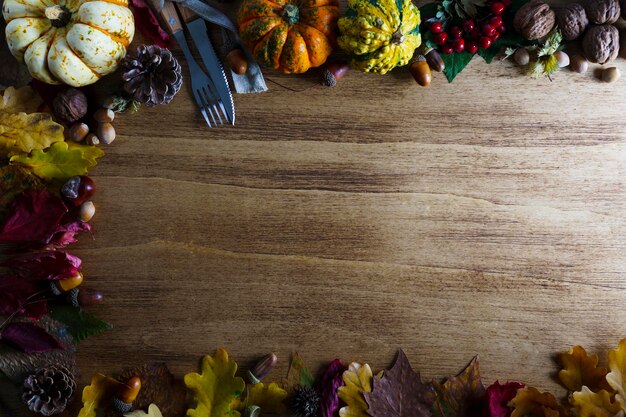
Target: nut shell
534, 20
600, 12
572, 20
601, 44
70, 105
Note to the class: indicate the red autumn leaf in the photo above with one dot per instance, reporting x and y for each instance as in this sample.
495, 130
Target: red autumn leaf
50, 265
28, 338
33, 215
148, 24
17, 296
498, 397
460, 395
331, 380
66, 234
400, 392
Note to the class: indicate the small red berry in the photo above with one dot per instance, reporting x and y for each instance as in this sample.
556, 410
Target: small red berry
441, 38
459, 45
496, 21
501, 29
456, 32
476, 34
495, 37
485, 42
488, 30
447, 49
436, 27
468, 25
497, 7
471, 47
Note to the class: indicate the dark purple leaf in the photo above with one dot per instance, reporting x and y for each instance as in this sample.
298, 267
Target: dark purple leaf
328, 386
28, 338
66, 234
50, 265
498, 397
14, 297
148, 24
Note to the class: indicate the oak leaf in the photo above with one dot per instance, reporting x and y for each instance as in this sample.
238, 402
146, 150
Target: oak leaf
358, 380
298, 374
270, 398
101, 389
615, 378
153, 411
20, 100
60, 161
529, 402
595, 404
581, 369
460, 395
498, 397
216, 388
400, 392
21, 132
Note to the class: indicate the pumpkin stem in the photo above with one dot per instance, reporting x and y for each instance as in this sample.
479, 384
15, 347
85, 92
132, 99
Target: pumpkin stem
397, 37
59, 15
291, 14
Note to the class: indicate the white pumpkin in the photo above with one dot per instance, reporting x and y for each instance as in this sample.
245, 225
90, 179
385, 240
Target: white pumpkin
69, 41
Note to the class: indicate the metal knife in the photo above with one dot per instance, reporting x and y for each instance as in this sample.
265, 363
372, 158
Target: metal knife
197, 29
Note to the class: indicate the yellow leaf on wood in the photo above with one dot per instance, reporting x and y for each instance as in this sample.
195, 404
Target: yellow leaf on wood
591, 404
21, 132
615, 378
358, 379
61, 161
102, 388
529, 402
580, 369
153, 411
23, 99
216, 388
270, 398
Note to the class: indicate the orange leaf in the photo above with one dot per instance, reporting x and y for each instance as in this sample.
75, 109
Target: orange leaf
581, 369
529, 402
592, 404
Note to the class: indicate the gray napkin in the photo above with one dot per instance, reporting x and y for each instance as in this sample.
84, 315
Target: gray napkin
250, 82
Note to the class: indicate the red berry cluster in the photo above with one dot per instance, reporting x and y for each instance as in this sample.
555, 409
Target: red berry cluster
471, 35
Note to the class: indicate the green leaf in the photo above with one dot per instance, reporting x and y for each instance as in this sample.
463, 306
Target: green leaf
455, 63
428, 11
60, 161
80, 324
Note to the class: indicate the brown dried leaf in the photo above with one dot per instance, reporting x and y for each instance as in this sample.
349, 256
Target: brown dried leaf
400, 392
16, 100
460, 395
581, 369
529, 402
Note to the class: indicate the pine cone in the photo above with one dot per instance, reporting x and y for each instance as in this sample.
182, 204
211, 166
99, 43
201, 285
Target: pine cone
152, 75
48, 390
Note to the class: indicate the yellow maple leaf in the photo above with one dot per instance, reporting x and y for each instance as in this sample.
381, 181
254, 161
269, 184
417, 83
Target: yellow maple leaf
617, 365
358, 379
21, 132
101, 388
591, 404
270, 398
580, 369
216, 389
61, 161
153, 411
23, 99
529, 402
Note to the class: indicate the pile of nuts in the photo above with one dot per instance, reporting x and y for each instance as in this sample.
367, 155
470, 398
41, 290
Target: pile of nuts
591, 21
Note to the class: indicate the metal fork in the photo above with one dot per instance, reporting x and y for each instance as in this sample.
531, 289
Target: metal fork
202, 86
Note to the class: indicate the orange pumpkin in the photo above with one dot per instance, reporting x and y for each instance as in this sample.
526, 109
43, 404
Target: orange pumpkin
289, 35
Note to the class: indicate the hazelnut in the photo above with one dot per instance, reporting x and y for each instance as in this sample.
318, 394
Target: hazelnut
70, 105
534, 20
579, 64
572, 20
562, 58
521, 57
602, 11
106, 133
78, 131
610, 75
601, 44
86, 211
104, 115
92, 139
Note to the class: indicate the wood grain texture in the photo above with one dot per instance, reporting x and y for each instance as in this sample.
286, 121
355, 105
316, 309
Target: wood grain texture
482, 217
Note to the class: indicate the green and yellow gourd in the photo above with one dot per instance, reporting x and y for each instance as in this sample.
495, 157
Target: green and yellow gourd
380, 35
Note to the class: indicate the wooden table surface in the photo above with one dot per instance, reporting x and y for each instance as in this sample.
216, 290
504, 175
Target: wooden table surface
481, 217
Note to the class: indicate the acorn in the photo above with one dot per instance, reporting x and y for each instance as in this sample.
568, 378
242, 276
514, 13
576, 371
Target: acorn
262, 368
237, 61
334, 72
67, 284
88, 297
421, 71
129, 391
86, 211
435, 61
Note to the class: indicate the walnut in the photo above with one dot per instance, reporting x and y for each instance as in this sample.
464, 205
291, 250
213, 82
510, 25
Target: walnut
70, 105
601, 44
602, 11
572, 20
534, 20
